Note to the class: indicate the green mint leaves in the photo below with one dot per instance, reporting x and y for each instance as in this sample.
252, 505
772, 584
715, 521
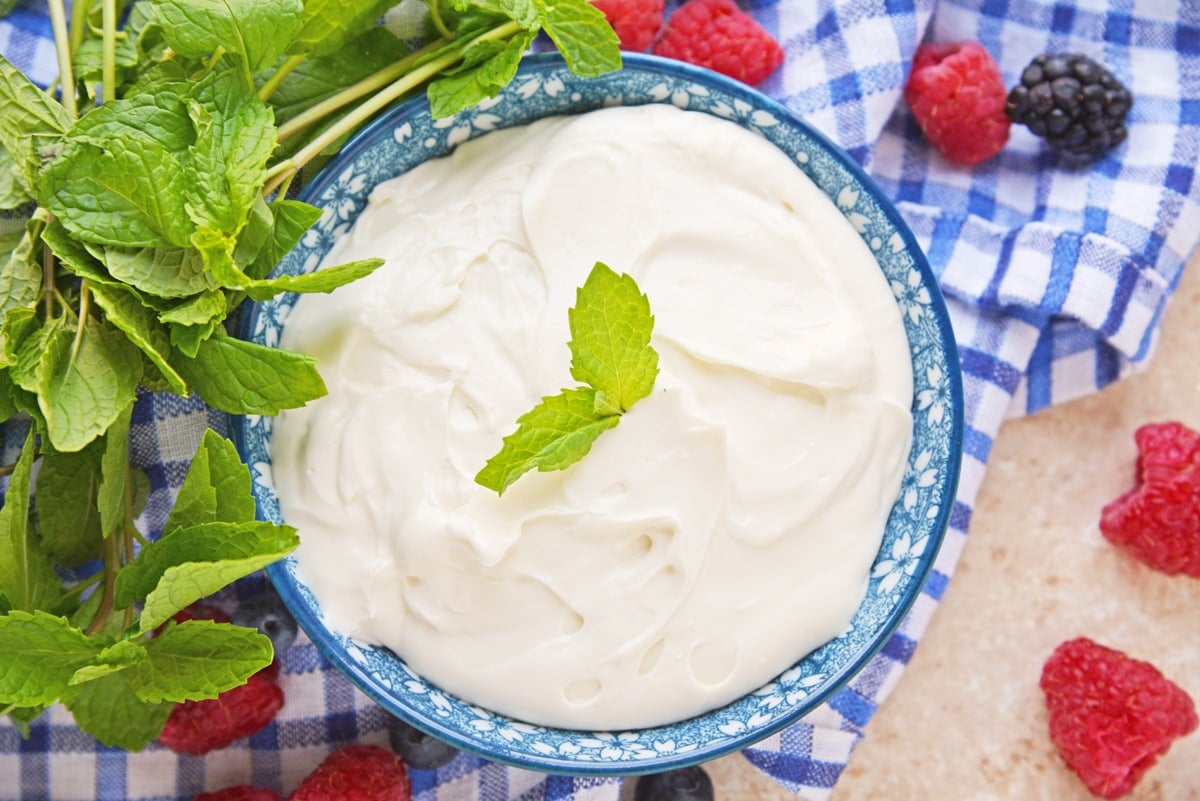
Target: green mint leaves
611, 353
148, 200
102, 658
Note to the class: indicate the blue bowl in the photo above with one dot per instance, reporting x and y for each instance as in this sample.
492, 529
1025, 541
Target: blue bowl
406, 136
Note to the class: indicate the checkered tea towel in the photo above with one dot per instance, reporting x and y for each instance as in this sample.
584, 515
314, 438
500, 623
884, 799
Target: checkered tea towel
1056, 277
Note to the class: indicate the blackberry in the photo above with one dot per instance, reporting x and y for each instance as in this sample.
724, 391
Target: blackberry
418, 750
1073, 102
684, 784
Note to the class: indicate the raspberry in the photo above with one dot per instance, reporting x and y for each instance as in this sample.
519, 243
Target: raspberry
357, 773
635, 21
240, 792
1111, 716
957, 94
720, 36
197, 727
1077, 105
1158, 521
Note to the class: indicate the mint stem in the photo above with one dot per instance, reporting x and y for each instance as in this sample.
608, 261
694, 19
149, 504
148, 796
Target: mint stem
384, 98
285, 69
353, 92
435, 15
111, 566
62, 47
85, 306
108, 69
79, 12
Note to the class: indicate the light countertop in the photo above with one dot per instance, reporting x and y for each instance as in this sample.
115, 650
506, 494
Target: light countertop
967, 721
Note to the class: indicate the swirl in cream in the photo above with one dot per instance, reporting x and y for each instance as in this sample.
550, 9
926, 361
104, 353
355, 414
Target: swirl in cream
723, 530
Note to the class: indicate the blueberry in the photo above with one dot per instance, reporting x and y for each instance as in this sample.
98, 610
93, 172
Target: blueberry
685, 784
418, 750
266, 612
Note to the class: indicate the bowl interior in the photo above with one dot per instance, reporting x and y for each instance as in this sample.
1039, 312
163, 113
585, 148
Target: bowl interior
406, 136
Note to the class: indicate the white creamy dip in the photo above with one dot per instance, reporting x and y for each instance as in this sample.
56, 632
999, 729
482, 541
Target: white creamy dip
722, 530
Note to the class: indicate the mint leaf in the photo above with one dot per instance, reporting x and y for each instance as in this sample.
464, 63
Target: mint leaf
38, 655
610, 337
325, 279
80, 399
21, 270
74, 257
582, 34
489, 68
226, 166
27, 577
118, 180
216, 251
329, 25
191, 563
198, 659
206, 307
216, 488
117, 657
163, 272
34, 341
553, 435
244, 378
610, 346
108, 709
31, 125
187, 338
292, 219
125, 310
12, 187
114, 472
65, 500
258, 31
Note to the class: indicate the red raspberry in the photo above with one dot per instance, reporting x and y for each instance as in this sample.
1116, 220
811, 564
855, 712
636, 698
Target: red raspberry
1111, 716
1158, 521
197, 727
357, 773
1165, 450
635, 21
719, 35
240, 792
957, 94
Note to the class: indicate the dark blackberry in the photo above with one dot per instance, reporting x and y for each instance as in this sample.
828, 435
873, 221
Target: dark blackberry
418, 750
1073, 102
684, 784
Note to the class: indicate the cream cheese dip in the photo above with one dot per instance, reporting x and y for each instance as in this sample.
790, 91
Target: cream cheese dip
721, 531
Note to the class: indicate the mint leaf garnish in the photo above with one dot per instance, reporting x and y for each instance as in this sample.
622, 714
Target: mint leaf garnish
610, 337
553, 435
611, 352
198, 659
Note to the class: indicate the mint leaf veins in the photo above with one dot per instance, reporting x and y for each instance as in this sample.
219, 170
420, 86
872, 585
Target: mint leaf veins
610, 353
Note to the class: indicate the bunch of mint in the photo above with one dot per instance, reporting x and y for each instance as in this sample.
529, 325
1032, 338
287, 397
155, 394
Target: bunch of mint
151, 184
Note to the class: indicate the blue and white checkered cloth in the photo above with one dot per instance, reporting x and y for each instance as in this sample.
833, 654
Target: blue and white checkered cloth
1056, 278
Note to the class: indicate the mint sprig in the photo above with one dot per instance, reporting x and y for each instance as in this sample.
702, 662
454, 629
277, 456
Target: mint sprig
611, 353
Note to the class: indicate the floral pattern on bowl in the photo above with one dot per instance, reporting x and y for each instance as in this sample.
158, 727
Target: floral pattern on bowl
406, 136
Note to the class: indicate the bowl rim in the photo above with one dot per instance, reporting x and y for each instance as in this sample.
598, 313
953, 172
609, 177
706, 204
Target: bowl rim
363, 140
